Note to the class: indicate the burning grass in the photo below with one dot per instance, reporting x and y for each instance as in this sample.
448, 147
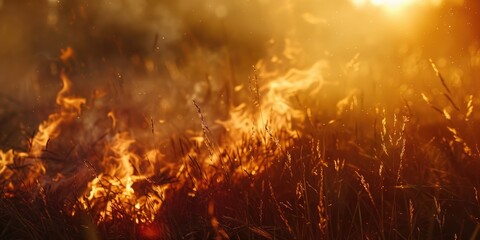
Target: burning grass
327, 151
275, 171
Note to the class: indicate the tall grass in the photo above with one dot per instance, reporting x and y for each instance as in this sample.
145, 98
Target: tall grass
387, 175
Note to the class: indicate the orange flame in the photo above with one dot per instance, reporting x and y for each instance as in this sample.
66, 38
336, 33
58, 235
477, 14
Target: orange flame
70, 108
114, 187
31, 162
276, 107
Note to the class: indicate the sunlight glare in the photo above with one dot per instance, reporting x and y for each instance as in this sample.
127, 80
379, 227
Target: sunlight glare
395, 5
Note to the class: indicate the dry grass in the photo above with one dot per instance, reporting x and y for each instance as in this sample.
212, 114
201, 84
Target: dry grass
175, 142
326, 184
387, 175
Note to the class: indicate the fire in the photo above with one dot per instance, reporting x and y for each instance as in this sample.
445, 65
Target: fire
119, 184
8, 179
69, 109
274, 96
67, 54
126, 175
31, 162
113, 154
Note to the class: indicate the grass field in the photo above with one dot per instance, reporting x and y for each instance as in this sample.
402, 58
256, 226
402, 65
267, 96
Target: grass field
375, 142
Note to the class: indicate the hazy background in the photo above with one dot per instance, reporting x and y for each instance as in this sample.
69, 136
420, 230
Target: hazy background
151, 58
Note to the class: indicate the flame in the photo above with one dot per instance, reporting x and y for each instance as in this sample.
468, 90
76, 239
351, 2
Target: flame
126, 175
276, 104
126, 166
276, 108
8, 160
30, 162
67, 54
280, 91
114, 187
69, 109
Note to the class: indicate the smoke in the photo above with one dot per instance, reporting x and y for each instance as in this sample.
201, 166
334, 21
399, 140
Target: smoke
151, 58
136, 65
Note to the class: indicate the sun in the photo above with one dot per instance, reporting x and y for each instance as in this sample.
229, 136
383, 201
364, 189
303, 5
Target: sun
391, 3
394, 5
